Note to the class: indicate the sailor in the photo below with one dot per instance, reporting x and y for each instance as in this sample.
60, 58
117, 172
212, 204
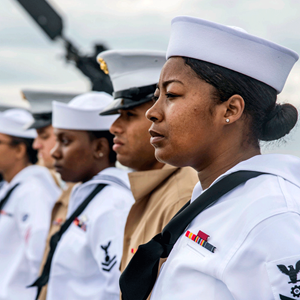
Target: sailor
26, 201
84, 257
41, 108
160, 190
216, 99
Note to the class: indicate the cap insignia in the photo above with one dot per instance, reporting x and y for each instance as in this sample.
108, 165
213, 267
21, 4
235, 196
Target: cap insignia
103, 65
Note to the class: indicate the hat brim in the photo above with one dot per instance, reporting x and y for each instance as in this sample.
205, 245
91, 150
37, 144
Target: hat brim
37, 124
118, 104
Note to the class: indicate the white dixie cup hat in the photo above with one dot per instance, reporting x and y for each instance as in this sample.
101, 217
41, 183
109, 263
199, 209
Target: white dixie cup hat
82, 113
13, 121
232, 48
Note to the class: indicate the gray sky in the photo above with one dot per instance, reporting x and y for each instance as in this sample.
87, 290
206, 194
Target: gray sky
28, 59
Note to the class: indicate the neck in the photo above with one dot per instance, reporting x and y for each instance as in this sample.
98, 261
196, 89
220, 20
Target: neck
223, 163
155, 166
97, 168
8, 175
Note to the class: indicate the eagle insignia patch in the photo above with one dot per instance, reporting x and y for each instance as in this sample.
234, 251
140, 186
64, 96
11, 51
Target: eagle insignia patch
109, 262
283, 275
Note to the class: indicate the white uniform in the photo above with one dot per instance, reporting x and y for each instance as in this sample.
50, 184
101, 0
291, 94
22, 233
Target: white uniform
256, 231
86, 262
24, 225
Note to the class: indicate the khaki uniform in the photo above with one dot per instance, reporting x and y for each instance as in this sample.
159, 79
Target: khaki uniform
58, 217
159, 194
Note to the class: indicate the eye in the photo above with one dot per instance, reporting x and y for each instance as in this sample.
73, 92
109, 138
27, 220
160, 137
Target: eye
65, 141
129, 114
44, 136
155, 98
169, 95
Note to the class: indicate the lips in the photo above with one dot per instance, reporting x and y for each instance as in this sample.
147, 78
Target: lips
58, 168
117, 144
156, 137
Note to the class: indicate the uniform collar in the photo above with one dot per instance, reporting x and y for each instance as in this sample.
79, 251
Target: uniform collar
285, 166
144, 182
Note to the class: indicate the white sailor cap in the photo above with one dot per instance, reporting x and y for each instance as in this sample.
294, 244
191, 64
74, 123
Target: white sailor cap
231, 48
41, 105
134, 75
12, 122
82, 112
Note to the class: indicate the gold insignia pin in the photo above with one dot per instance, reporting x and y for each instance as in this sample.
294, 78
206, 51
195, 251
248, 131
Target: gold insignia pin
103, 65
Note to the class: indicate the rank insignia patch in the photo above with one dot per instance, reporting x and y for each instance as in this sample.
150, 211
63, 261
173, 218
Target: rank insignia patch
201, 239
108, 263
283, 275
81, 222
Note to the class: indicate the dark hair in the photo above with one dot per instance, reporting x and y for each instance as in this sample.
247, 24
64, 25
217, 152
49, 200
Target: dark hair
31, 153
105, 134
269, 120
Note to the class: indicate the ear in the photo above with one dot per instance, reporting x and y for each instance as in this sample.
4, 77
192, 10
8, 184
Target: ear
101, 148
233, 109
20, 150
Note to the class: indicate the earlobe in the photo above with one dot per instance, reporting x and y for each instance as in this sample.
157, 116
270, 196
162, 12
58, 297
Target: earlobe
102, 148
235, 106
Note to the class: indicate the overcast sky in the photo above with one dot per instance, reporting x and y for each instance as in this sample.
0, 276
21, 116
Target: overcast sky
28, 59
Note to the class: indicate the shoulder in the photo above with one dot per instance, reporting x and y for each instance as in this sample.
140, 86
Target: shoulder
112, 197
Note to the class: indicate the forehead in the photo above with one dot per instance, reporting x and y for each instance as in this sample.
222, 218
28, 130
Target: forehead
175, 69
67, 132
4, 136
140, 109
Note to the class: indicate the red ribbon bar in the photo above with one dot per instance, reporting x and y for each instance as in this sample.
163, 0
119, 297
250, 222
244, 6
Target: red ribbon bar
203, 235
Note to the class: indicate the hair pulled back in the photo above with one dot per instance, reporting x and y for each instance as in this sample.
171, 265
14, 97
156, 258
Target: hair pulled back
269, 120
30, 152
107, 135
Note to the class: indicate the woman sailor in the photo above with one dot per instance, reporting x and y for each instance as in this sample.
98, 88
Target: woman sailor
216, 99
26, 200
86, 260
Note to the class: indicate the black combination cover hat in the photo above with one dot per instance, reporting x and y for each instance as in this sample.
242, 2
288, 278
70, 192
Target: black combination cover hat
134, 75
41, 105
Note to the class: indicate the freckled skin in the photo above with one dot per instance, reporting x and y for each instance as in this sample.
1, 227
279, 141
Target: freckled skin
131, 128
187, 120
193, 127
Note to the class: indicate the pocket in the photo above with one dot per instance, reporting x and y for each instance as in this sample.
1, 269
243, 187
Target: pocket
73, 254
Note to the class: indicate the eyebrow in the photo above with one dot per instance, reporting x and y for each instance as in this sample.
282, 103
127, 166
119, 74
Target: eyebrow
166, 83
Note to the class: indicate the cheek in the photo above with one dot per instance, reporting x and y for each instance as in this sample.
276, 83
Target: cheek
76, 158
49, 144
140, 137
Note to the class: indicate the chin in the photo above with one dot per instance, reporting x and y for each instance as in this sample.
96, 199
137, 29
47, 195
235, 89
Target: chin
171, 158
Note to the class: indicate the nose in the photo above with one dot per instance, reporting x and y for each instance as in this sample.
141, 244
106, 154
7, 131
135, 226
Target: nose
116, 127
154, 113
37, 145
56, 152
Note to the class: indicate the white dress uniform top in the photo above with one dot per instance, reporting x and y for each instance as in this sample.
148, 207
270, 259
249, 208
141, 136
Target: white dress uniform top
87, 259
86, 262
255, 229
24, 219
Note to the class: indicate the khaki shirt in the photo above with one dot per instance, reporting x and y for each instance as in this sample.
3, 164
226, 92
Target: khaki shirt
159, 194
58, 217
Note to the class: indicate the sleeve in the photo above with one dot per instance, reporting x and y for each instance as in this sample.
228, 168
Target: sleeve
106, 240
33, 218
267, 264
